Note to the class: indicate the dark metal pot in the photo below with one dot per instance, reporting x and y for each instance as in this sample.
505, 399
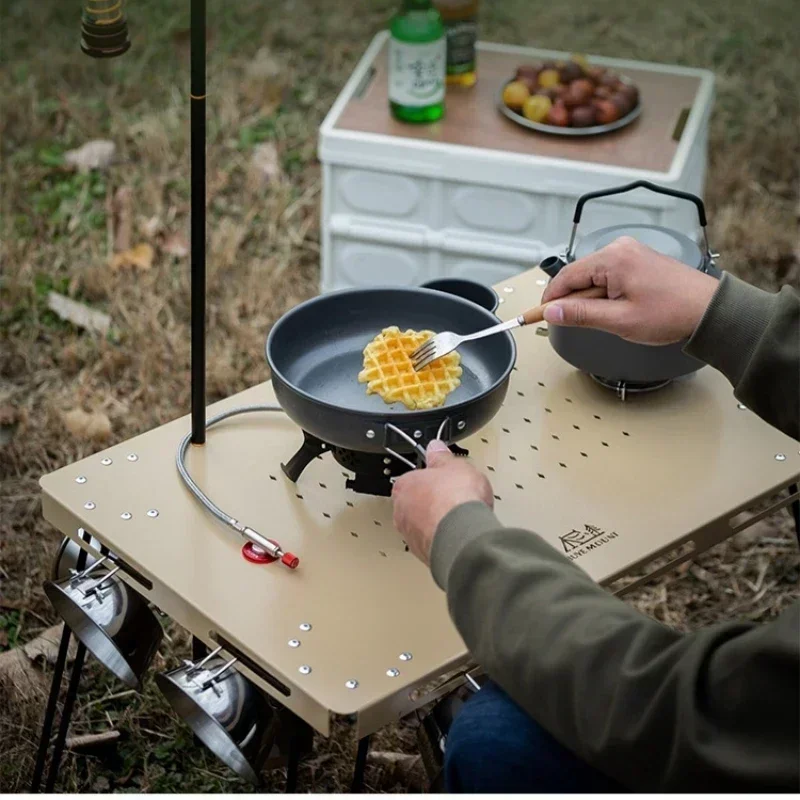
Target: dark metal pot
605, 355
483, 296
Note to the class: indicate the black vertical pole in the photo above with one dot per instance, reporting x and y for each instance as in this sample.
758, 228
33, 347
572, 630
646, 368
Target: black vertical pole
198, 221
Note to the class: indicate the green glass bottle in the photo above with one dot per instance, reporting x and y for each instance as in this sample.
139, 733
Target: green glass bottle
417, 63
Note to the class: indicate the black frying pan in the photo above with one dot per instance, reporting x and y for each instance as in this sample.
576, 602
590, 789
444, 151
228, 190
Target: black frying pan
315, 354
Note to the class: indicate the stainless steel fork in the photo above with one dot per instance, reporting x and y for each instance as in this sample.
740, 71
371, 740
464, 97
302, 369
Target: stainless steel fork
444, 343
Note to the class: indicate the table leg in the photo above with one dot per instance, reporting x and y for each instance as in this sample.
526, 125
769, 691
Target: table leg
795, 511
361, 763
66, 715
50, 710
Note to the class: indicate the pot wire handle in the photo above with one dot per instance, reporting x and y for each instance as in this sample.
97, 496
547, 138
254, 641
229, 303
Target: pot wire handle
653, 187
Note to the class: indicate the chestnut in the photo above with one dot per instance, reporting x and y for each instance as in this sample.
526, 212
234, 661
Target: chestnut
605, 111
631, 92
558, 116
622, 102
604, 92
583, 116
596, 73
551, 93
571, 71
527, 72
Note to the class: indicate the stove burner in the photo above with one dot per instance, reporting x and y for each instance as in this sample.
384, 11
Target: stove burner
624, 388
373, 472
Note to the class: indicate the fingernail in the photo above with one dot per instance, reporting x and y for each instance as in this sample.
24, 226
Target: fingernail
437, 446
554, 314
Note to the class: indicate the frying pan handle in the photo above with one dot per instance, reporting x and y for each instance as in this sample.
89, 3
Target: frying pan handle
418, 438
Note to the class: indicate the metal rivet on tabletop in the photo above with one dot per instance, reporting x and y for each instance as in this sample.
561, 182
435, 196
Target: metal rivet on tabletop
80, 479
126, 515
305, 626
304, 669
351, 684
541, 282
508, 289
106, 462
405, 656
133, 457
393, 672
153, 512
741, 406
501, 299
294, 643
89, 506
780, 457
370, 434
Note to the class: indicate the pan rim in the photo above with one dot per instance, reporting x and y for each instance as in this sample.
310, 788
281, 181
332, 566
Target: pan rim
389, 414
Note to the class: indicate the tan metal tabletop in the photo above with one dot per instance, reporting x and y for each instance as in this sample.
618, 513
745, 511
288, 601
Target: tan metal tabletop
610, 484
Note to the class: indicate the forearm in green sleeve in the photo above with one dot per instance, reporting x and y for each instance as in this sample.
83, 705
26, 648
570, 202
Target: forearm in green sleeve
652, 708
753, 338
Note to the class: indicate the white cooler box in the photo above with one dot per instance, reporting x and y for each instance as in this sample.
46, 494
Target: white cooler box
480, 197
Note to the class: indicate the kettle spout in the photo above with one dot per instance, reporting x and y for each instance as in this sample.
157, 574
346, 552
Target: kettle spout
552, 265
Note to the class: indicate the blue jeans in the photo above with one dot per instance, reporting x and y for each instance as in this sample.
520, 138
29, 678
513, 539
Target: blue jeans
494, 746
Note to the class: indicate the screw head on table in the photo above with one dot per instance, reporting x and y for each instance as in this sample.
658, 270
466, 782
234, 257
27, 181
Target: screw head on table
80, 479
153, 512
106, 462
133, 457
406, 656
294, 643
89, 506
305, 626
126, 515
780, 457
304, 669
351, 684
393, 672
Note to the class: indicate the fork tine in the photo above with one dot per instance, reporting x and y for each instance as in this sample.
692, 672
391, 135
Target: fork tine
424, 348
428, 358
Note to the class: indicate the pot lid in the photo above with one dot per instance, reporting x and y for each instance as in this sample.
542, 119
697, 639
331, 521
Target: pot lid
662, 240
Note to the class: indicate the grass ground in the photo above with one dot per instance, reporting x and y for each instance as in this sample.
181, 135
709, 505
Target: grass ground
274, 70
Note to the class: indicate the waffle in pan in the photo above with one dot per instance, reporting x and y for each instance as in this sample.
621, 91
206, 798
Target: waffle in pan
388, 371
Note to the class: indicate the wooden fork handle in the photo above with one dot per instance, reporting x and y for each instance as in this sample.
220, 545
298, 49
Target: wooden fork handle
536, 314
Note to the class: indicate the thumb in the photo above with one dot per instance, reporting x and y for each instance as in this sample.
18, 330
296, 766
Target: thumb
605, 314
438, 453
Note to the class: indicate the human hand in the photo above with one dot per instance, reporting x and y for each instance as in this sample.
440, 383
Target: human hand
423, 498
652, 298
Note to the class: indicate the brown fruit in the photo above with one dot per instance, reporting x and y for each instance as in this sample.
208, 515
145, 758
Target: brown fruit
603, 92
558, 115
609, 79
528, 74
537, 107
571, 72
549, 78
551, 92
596, 73
583, 116
549, 65
631, 92
579, 92
515, 94
605, 112
622, 102
531, 83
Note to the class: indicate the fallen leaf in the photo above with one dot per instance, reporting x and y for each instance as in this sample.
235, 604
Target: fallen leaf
176, 245
46, 644
18, 672
265, 165
122, 210
84, 425
78, 314
96, 154
139, 257
150, 227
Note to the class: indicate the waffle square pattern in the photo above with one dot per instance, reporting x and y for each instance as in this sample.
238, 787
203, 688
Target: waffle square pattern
389, 373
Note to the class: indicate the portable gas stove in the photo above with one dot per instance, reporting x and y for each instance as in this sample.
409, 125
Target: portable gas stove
373, 473
625, 388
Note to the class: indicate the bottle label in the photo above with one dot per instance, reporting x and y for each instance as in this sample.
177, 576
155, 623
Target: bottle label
417, 72
461, 36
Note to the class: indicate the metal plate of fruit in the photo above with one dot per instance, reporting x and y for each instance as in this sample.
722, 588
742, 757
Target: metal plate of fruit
569, 98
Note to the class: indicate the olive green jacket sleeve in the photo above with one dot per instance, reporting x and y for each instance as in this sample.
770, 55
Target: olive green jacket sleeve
718, 709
